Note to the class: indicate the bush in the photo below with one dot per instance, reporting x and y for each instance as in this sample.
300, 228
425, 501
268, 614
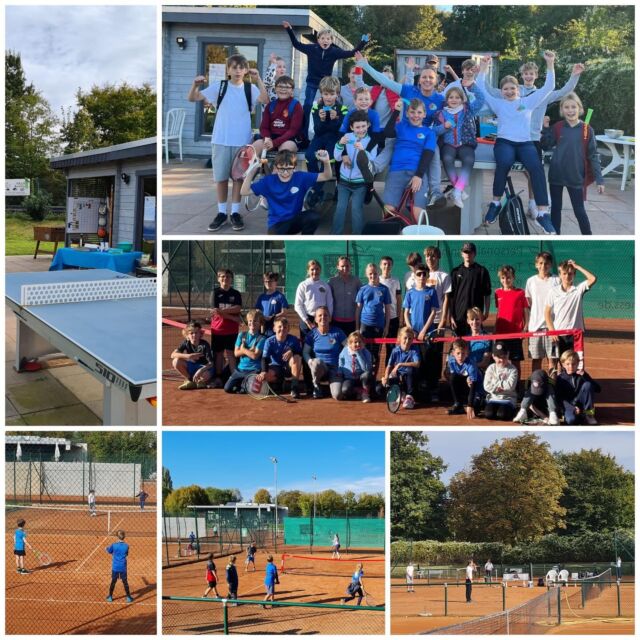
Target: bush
37, 205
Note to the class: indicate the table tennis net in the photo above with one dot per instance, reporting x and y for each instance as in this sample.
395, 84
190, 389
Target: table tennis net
327, 566
80, 521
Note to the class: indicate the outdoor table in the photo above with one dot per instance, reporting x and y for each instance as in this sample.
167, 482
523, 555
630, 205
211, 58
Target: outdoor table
86, 259
627, 143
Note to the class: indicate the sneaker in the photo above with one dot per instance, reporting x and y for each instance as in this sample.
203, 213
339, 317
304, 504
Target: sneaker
590, 417
366, 397
187, 385
553, 418
217, 384
532, 211
435, 397
237, 223
295, 394
456, 410
409, 402
544, 222
317, 393
362, 160
457, 199
25, 572
492, 213
465, 195
109, 599
129, 599
521, 416
218, 221
437, 200
202, 384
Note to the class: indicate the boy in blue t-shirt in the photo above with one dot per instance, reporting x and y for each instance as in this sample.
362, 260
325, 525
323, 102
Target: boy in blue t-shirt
282, 357
19, 544
284, 192
248, 349
271, 303
403, 363
465, 380
271, 579
119, 551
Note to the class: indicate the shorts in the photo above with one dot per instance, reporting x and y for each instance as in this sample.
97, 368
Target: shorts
223, 343
271, 589
395, 185
19, 552
251, 559
119, 574
221, 160
542, 346
409, 579
193, 368
212, 584
514, 347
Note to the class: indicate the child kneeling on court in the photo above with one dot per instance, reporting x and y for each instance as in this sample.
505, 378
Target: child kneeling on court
119, 551
248, 349
355, 364
282, 358
501, 385
403, 366
284, 192
539, 398
574, 391
193, 358
465, 381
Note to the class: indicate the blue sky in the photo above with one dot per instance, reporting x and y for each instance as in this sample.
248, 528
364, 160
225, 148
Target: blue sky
64, 48
341, 460
456, 448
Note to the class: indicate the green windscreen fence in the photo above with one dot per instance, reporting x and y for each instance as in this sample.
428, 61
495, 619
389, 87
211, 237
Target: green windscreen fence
612, 261
354, 532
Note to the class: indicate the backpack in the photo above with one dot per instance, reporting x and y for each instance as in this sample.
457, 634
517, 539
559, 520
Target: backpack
512, 219
223, 90
292, 105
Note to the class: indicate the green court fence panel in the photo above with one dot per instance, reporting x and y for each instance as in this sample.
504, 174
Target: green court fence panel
354, 533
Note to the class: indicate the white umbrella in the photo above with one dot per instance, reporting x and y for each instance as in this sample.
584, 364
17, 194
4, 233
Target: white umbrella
19, 452
56, 455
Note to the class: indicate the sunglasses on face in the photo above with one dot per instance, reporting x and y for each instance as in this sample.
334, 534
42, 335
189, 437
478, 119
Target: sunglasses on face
420, 274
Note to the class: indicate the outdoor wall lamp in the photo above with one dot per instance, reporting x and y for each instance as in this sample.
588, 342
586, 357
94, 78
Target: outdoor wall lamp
181, 42
125, 177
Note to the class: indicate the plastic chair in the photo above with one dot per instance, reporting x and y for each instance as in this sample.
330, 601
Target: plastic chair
173, 130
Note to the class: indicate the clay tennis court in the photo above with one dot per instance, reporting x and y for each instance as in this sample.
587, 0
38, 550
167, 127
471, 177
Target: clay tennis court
306, 580
423, 610
609, 359
68, 595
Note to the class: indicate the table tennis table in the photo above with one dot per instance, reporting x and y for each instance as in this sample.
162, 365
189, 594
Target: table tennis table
104, 320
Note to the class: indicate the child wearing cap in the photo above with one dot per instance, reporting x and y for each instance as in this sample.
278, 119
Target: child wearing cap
501, 384
539, 398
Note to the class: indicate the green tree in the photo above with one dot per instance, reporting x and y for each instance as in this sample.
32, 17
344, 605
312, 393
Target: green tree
79, 131
599, 495
167, 483
178, 501
427, 33
222, 496
291, 500
417, 493
510, 493
262, 496
328, 502
369, 503
305, 502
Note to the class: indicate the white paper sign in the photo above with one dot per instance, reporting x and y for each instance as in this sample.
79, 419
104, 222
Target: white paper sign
17, 187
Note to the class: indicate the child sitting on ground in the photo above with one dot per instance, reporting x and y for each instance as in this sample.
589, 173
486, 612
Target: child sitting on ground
539, 398
403, 366
574, 391
282, 358
193, 358
501, 385
248, 350
465, 380
355, 365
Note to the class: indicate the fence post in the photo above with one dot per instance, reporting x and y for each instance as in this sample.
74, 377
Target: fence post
548, 604
504, 596
559, 589
618, 596
195, 517
225, 618
583, 594
446, 599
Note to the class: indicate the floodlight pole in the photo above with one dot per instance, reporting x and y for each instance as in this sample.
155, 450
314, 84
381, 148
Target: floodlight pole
313, 522
275, 473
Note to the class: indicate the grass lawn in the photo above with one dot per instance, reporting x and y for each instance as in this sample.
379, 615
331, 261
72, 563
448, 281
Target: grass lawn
19, 234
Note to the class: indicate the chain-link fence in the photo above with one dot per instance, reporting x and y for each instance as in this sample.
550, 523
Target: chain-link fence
183, 615
71, 513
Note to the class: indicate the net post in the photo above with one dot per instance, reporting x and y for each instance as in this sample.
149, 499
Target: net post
446, 599
531, 571
504, 596
618, 598
559, 596
225, 617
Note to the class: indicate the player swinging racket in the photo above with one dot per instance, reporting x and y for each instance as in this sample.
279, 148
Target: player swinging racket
356, 587
251, 556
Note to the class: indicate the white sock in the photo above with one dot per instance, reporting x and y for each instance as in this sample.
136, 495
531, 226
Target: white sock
235, 207
496, 202
222, 208
532, 203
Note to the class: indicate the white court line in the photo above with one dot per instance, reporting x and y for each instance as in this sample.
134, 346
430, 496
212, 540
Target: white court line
99, 545
104, 602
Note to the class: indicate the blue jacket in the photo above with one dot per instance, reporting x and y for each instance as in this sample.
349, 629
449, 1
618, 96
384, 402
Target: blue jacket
463, 130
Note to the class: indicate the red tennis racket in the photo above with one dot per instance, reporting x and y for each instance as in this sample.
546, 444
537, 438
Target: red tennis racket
245, 159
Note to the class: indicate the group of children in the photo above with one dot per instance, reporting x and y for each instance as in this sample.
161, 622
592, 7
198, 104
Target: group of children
407, 127
343, 324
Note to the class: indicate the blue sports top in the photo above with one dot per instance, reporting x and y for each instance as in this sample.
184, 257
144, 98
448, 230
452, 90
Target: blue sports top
274, 349
119, 550
19, 539
373, 300
410, 143
271, 304
252, 341
467, 368
285, 199
420, 302
355, 578
271, 573
326, 347
398, 356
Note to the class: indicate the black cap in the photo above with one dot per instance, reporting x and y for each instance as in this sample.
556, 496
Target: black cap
538, 384
432, 57
469, 247
499, 349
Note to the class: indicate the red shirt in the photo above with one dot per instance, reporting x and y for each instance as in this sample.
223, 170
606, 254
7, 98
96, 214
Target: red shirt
510, 304
280, 122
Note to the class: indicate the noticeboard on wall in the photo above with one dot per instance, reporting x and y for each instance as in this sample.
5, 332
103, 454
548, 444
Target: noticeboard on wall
82, 215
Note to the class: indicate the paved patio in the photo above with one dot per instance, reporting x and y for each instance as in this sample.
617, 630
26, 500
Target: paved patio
63, 394
189, 205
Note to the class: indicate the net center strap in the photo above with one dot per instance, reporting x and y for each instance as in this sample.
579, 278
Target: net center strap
118, 288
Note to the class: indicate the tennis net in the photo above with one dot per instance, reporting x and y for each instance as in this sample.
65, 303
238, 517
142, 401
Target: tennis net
327, 566
579, 592
538, 615
79, 520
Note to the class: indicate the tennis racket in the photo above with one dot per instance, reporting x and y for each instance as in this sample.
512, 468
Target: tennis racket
394, 398
260, 389
245, 160
369, 600
43, 558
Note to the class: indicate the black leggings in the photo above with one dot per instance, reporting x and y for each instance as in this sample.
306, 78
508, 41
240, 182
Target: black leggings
577, 202
125, 583
499, 411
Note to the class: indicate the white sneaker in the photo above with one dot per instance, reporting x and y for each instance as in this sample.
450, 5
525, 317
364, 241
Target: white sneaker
553, 418
457, 199
532, 210
409, 402
521, 416
465, 195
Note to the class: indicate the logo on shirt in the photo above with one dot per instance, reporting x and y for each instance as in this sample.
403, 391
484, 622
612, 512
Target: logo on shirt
274, 301
521, 107
294, 190
432, 107
321, 289
332, 340
421, 136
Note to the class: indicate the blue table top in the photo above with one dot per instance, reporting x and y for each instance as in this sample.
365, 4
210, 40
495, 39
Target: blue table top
121, 333
67, 257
